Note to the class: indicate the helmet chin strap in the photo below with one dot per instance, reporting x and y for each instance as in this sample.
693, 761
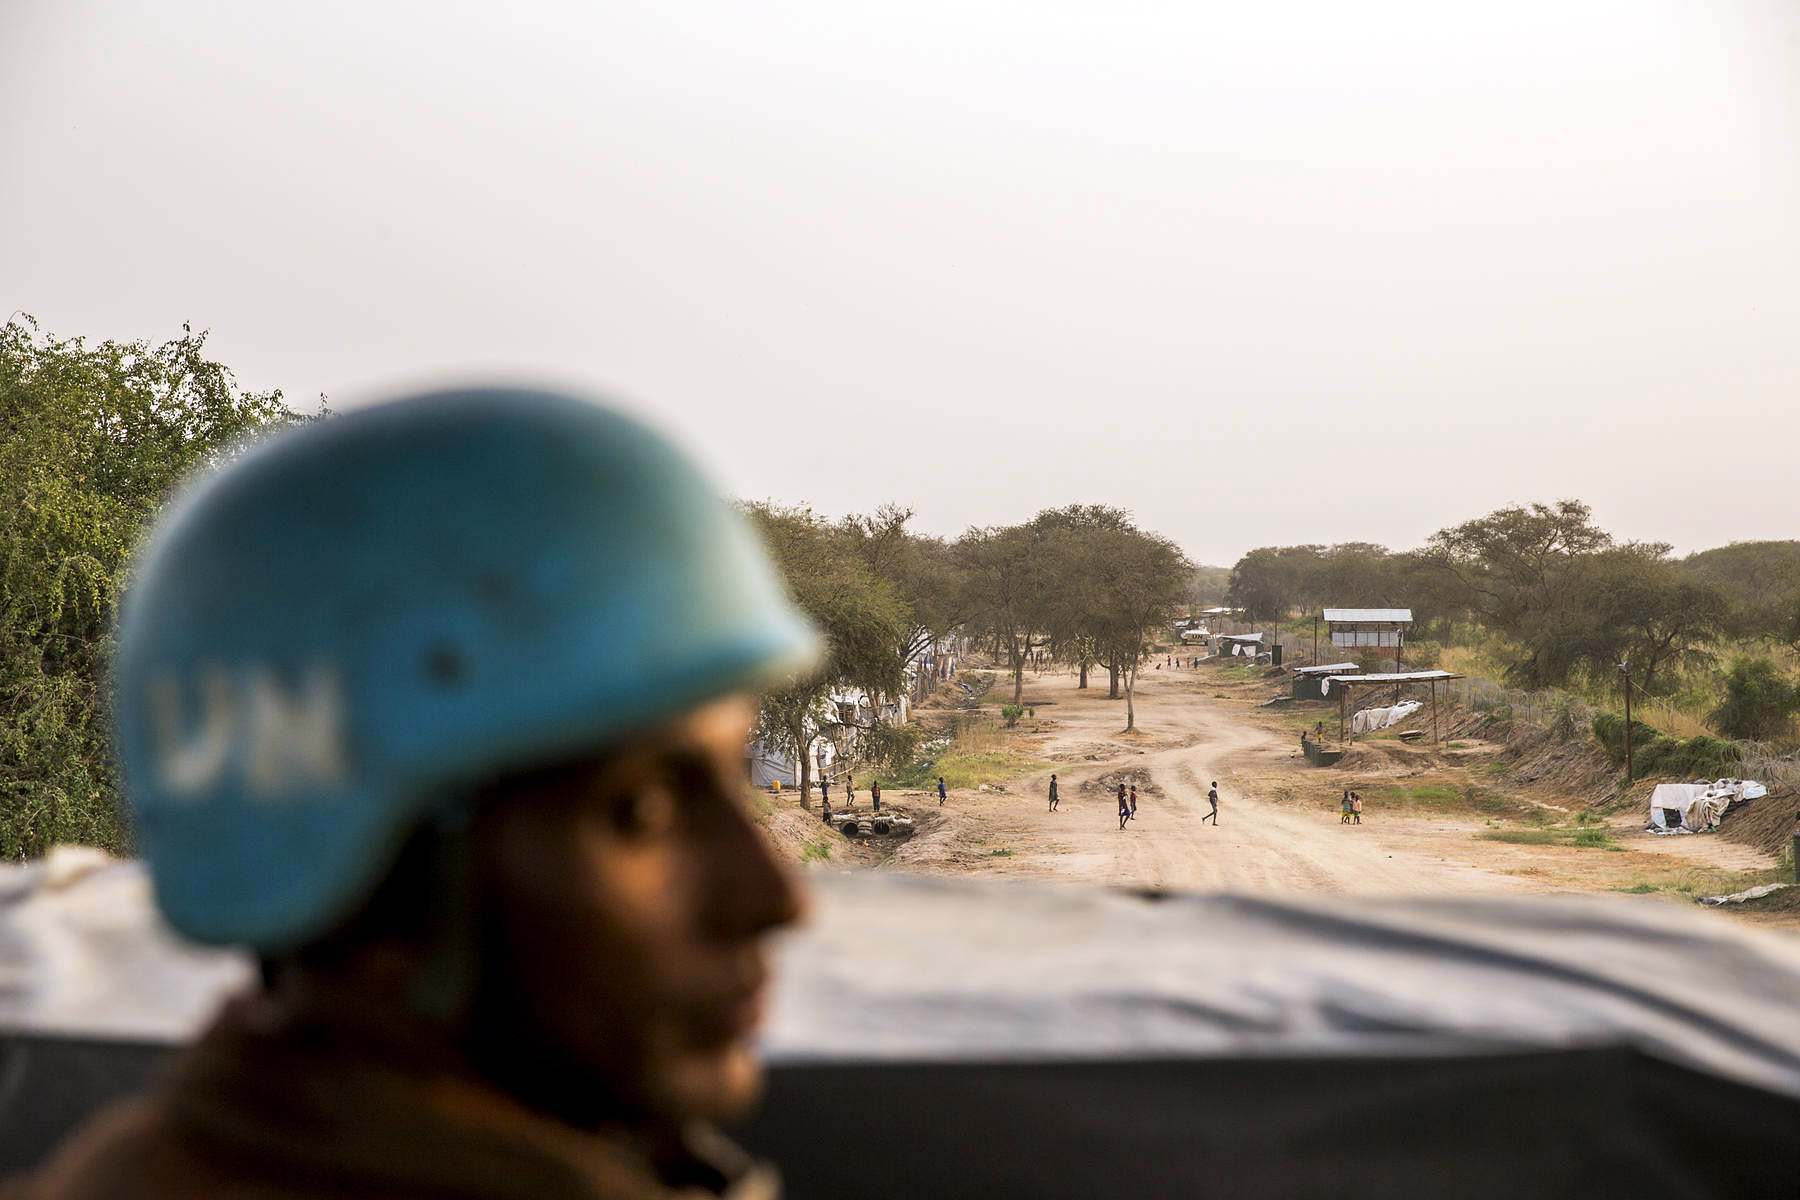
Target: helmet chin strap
445, 987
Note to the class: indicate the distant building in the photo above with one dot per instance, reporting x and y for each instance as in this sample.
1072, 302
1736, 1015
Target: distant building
1369, 628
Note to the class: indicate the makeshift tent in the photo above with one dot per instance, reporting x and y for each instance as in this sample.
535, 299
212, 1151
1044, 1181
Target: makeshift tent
1247, 645
953, 1037
1698, 807
767, 765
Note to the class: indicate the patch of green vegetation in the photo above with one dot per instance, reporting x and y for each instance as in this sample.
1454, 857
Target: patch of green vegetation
1001, 853
981, 753
1521, 837
1654, 752
1587, 837
815, 852
1638, 889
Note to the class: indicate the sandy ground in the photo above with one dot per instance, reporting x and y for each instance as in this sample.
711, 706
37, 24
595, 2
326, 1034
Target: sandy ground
1278, 828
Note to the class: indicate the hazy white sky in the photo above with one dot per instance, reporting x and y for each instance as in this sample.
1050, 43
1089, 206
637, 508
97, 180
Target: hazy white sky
1259, 273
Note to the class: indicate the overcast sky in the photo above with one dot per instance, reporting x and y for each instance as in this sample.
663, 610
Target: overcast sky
1261, 274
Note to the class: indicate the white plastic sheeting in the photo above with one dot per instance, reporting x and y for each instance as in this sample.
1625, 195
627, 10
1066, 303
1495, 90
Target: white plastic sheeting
1698, 807
896, 967
1368, 720
83, 952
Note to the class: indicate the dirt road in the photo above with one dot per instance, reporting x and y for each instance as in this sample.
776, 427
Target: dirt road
1274, 833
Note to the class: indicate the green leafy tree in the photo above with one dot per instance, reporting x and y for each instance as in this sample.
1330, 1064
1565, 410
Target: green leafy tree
93, 440
1007, 579
922, 571
1633, 605
863, 618
1519, 570
1759, 703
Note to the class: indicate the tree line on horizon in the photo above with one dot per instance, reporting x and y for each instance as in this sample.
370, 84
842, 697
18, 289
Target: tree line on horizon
1081, 584
1561, 603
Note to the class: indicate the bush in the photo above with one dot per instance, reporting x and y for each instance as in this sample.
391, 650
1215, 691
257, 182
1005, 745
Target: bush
1566, 714
1011, 714
1424, 656
1656, 753
1759, 702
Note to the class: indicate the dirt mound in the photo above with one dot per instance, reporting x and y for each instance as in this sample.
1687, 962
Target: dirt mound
1767, 823
1109, 782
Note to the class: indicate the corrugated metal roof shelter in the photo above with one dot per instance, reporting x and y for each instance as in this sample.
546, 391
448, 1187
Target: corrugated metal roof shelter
1308, 679
1358, 615
1346, 685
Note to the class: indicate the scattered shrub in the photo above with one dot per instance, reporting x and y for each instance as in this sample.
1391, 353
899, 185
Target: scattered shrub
1656, 753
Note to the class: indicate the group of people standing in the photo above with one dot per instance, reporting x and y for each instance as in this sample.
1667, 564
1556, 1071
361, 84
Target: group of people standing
1352, 809
1128, 799
943, 793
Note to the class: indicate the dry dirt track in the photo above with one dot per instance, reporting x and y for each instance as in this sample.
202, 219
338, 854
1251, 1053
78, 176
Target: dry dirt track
1265, 841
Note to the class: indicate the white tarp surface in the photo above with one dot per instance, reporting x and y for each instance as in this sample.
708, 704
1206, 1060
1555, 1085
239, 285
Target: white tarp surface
896, 967
899, 967
83, 952
1368, 720
1698, 807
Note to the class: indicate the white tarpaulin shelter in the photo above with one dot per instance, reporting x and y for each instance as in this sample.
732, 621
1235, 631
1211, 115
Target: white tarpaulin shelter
1697, 807
1368, 720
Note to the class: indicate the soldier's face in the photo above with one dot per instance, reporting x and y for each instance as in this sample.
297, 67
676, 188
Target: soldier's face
637, 894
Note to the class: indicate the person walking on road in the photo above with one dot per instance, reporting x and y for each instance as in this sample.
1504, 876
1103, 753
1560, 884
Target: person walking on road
1134, 799
1124, 807
1355, 808
1212, 798
1053, 793
849, 791
1344, 808
942, 792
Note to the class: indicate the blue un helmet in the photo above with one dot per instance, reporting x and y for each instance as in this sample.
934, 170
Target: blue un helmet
355, 624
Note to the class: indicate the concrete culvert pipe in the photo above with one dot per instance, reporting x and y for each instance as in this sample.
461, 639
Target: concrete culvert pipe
849, 827
881, 827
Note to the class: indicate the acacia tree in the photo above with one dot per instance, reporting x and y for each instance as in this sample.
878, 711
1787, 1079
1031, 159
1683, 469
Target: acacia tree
93, 439
862, 617
1520, 570
921, 570
1147, 578
1632, 604
1075, 544
1006, 580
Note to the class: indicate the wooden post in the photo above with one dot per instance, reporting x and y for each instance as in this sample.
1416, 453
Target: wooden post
1434, 723
1315, 641
1626, 668
1343, 721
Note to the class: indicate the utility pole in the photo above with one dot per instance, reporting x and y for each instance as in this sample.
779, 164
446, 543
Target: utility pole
1625, 668
1315, 640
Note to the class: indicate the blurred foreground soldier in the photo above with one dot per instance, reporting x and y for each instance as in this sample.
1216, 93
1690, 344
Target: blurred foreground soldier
434, 707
